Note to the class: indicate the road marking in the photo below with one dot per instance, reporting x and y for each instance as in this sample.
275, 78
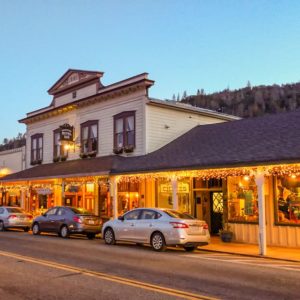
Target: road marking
112, 278
249, 261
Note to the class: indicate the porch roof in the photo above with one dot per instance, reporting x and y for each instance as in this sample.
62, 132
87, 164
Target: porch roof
271, 139
72, 168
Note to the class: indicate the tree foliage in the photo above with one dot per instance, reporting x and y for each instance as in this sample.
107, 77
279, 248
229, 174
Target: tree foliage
13, 143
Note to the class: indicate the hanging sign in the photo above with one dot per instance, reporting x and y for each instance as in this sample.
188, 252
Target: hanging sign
66, 133
181, 188
43, 191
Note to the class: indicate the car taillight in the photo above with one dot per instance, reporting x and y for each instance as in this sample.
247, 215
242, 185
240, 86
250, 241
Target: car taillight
30, 217
205, 226
77, 219
179, 225
12, 217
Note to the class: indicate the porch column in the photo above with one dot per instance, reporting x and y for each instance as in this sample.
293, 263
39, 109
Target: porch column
260, 182
175, 193
114, 193
23, 197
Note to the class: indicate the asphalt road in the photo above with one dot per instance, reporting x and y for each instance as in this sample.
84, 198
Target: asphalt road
49, 267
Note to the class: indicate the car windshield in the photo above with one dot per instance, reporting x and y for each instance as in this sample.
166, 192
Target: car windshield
178, 215
80, 211
15, 210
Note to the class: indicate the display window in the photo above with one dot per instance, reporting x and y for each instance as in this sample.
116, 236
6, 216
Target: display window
164, 194
129, 196
287, 200
242, 199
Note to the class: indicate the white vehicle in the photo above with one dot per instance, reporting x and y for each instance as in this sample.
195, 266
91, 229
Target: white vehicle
158, 227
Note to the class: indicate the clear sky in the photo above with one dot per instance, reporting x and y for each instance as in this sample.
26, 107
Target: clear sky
182, 44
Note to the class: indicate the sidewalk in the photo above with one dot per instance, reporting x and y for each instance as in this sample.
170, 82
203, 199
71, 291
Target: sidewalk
283, 253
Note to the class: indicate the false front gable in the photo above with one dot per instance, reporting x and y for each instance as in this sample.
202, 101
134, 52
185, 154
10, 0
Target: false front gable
74, 85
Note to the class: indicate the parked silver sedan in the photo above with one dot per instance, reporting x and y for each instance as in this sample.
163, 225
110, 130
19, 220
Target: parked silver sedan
14, 217
158, 227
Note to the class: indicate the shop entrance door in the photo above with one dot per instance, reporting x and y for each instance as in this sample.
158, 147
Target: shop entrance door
216, 204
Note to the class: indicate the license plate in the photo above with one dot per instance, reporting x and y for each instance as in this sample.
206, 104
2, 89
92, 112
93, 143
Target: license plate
91, 222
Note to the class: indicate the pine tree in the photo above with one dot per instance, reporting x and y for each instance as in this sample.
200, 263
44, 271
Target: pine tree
174, 97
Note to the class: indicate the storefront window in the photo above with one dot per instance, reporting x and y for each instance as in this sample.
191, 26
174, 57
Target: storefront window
129, 196
164, 193
287, 196
242, 199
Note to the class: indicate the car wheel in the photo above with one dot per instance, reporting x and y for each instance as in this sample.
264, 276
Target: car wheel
158, 242
189, 248
26, 229
36, 229
91, 236
109, 237
64, 232
2, 228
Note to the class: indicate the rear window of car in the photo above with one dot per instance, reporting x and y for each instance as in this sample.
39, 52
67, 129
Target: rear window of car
14, 210
80, 211
178, 215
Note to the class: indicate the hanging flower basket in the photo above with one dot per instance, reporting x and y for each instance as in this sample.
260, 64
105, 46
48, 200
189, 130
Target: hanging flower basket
128, 148
56, 159
83, 155
63, 158
39, 161
92, 154
118, 150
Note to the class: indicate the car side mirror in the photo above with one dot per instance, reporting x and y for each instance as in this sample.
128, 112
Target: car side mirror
44, 215
121, 218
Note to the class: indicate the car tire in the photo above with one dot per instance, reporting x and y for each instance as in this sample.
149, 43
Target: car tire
91, 236
158, 242
36, 229
2, 227
26, 229
109, 237
64, 232
189, 248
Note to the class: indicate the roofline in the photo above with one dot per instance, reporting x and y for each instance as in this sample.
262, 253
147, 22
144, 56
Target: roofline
203, 111
73, 70
100, 93
55, 176
208, 167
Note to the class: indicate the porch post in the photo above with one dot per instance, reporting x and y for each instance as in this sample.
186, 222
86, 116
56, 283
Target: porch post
23, 197
175, 193
260, 181
114, 193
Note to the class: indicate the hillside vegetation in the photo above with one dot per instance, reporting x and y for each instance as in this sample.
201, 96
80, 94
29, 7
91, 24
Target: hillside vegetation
249, 101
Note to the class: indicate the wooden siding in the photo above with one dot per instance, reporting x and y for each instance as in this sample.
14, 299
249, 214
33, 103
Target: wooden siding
103, 112
166, 124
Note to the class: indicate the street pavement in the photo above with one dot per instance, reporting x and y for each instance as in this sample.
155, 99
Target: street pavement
49, 267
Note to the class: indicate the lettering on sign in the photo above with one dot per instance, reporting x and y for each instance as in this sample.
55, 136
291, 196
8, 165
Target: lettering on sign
66, 132
182, 187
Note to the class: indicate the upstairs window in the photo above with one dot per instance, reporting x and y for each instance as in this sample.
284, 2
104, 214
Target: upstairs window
58, 149
37, 148
89, 137
124, 129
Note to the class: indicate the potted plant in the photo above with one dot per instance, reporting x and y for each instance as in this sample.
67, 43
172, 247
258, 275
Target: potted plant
128, 148
83, 155
226, 233
92, 154
34, 162
118, 150
63, 158
55, 158
39, 161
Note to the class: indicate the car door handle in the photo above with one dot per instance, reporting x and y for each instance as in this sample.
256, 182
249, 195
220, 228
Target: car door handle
150, 225
131, 224
62, 220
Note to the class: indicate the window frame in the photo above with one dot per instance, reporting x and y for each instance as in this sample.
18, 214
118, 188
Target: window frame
123, 116
61, 148
89, 124
37, 137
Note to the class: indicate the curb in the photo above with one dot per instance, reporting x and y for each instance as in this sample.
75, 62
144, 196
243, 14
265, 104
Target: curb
251, 255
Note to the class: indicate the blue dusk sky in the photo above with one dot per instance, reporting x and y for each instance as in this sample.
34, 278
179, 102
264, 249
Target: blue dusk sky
183, 45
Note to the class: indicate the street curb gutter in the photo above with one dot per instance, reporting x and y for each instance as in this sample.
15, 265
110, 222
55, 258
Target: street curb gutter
251, 255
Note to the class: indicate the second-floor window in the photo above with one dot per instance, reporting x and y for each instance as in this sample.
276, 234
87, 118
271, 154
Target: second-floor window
124, 129
89, 136
58, 149
37, 147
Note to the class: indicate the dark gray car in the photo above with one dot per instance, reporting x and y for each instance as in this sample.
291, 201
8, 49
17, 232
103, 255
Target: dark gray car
67, 220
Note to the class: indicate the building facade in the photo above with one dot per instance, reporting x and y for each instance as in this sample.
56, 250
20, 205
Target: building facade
113, 148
